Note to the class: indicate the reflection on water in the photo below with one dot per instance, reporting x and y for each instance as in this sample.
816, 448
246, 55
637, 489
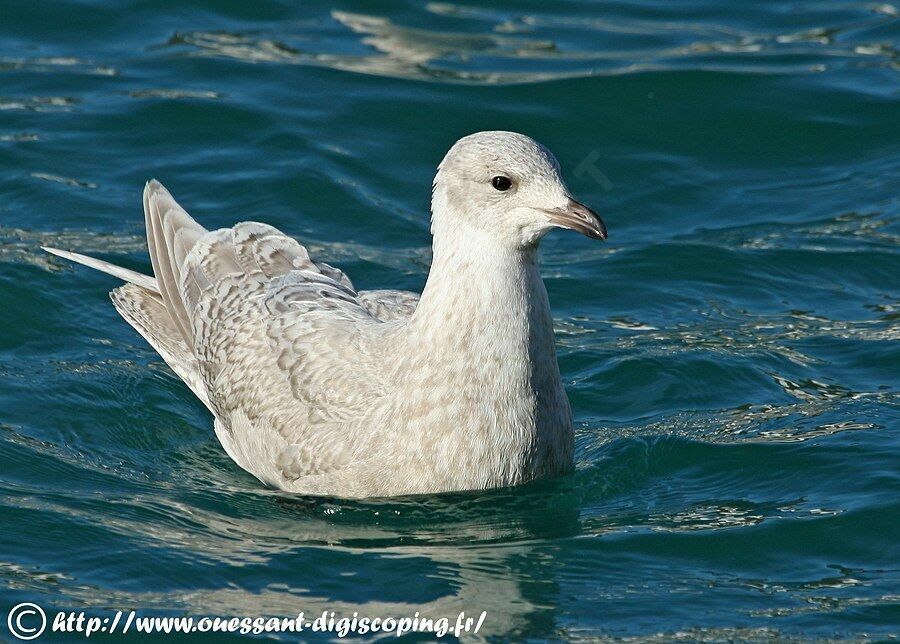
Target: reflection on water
58, 64
37, 103
18, 245
485, 56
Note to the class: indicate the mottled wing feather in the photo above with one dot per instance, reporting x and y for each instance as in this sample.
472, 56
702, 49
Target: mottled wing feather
318, 335
278, 342
389, 306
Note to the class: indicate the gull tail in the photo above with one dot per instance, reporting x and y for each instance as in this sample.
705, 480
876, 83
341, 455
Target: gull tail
153, 305
146, 312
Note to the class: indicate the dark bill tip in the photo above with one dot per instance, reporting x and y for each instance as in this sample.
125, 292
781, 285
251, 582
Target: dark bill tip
578, 217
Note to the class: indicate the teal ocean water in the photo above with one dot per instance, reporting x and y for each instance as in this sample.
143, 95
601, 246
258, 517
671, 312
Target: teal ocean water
731, 354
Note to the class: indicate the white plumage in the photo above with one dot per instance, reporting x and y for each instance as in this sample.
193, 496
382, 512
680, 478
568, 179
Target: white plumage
321, 389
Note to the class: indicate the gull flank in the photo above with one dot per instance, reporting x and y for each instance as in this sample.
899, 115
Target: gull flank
320, 389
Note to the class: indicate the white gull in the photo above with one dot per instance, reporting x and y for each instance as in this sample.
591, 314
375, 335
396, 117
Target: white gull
318, 388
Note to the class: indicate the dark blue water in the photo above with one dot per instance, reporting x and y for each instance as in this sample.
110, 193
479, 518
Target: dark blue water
731, 354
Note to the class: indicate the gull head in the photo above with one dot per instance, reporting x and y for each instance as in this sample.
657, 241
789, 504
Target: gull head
508, 187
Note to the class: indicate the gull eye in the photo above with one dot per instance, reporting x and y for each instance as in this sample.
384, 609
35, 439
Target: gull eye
501, 183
